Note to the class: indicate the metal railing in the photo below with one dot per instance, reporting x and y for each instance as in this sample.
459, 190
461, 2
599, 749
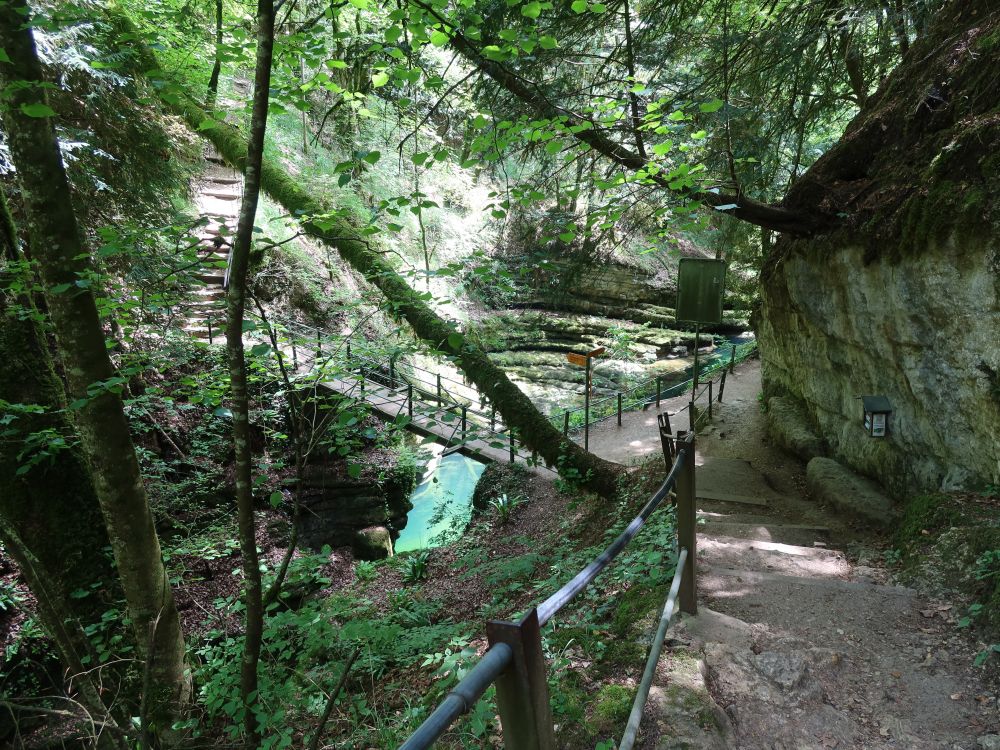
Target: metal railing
515, 661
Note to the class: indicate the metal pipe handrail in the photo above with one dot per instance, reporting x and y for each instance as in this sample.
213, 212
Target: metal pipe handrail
462, 697
492, 664
655, 649
552, 605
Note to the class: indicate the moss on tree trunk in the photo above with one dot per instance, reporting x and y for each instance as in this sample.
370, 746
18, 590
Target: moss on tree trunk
364, 255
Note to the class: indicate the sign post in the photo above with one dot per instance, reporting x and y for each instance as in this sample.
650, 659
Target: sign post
584, 360
701, 284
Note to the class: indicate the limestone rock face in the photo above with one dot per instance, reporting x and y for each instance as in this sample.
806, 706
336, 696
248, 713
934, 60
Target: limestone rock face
340, 512
922, 329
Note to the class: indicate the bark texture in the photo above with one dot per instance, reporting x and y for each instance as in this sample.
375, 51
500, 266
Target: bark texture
235, 308
103, 430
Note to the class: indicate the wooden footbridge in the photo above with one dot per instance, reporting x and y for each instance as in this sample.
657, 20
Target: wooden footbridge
454, 413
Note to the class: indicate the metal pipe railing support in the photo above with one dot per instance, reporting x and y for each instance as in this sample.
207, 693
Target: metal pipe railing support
687, 529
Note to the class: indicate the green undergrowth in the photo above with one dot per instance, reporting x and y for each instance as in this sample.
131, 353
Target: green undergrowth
951, 542
413, 642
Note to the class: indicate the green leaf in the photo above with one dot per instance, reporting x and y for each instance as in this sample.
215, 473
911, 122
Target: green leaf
60, 288
275, 499
354, 470
598, 8
661, 149
712, 106
3, 56
420, 157
259, 350
439, 38
38, 110
548, 42
380, 79
579, 6
531, 10
455, 340
207, 124
360, 4
372, 157
337, 64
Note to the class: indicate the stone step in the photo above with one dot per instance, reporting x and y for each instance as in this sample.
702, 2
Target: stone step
221, 193
772, 557
730, 497
208, 293
766, 531
210, 277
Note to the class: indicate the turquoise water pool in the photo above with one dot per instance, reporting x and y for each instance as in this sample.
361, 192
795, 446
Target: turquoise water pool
442, 503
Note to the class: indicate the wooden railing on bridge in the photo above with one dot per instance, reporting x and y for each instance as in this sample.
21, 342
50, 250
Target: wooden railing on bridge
305, 346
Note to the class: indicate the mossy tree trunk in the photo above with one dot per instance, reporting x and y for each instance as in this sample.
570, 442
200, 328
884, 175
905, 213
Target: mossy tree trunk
235, 308
61, 260
365, 256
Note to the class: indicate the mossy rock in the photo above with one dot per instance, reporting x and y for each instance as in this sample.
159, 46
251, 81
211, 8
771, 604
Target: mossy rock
372, 543
611, 708
498, 479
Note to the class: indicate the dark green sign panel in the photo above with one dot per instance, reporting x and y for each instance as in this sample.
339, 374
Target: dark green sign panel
701, 283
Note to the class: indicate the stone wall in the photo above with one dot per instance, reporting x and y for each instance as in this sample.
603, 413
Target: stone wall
922, 329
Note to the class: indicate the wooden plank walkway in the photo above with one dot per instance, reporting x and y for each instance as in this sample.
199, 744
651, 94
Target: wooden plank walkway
439, 422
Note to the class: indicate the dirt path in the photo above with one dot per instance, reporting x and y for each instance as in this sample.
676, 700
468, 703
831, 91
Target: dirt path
801, 642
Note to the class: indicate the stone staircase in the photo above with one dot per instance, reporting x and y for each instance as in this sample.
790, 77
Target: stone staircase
796, 648
217, 196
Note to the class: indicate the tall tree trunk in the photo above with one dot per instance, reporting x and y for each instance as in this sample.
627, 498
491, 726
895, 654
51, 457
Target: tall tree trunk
213, 81
235, 307
104, 435
36, 497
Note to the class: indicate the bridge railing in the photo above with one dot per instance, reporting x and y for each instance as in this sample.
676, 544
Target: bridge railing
515, 660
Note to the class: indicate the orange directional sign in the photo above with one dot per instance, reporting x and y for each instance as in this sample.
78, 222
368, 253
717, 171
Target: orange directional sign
581, 359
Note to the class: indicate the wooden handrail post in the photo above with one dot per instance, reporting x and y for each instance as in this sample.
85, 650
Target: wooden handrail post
440, 400
666, 440
348, 350
619, 409
522, 690
565, 423
722, 384
687, 529
657, 391
464, 419
409, 400
732, 360
210, 330
319, 344
709, 399
295, 354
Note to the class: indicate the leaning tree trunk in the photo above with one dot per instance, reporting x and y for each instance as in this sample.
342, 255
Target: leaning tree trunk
533, 428
235, 308
62, 262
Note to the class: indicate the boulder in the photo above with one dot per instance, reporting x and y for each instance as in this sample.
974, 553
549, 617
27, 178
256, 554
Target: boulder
834, 483
372, 543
